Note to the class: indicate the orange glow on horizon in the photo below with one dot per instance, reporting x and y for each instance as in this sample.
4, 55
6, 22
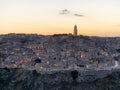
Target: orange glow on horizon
93, 18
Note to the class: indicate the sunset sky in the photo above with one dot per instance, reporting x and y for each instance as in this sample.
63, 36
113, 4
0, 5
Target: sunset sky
93, 17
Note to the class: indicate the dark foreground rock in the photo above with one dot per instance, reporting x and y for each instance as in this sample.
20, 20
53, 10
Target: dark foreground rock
21, 79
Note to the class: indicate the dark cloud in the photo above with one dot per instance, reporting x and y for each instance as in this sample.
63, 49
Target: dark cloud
64, 11
79, 15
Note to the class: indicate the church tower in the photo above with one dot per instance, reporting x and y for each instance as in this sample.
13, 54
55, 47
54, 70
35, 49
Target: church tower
75, 32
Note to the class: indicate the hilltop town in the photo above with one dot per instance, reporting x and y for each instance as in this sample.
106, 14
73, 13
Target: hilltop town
59, 51
59, 62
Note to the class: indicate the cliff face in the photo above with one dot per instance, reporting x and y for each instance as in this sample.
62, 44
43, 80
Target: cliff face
21, 79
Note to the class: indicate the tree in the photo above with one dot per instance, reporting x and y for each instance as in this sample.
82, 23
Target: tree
74, 74
38, 60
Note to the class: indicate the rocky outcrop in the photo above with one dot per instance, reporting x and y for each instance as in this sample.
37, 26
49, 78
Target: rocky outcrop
21, 79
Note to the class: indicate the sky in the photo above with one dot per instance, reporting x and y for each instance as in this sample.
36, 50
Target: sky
92, 17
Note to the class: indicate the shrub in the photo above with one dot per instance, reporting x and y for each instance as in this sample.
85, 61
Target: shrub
38, 60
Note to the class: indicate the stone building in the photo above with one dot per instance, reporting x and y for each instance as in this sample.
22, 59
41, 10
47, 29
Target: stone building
75, 32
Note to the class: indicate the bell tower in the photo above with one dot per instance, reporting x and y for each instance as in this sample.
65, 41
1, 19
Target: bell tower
75, 32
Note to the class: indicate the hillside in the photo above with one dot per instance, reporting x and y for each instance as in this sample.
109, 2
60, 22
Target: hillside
57, 51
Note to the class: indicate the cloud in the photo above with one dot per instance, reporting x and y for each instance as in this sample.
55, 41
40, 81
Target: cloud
78, 15
64, 11
118, 25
